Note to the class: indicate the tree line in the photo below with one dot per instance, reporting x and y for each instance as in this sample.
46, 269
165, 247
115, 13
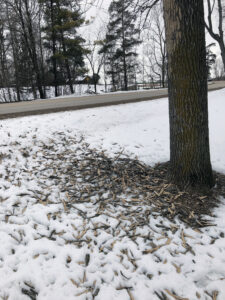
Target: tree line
41, 46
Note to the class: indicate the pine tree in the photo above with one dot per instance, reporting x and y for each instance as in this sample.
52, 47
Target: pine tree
121, 39
108, 50
61, 38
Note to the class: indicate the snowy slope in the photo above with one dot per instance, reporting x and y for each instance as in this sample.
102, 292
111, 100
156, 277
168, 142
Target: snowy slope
50, 250
140, 128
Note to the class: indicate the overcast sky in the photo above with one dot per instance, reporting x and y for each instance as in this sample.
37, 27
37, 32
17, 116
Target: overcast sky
99, 16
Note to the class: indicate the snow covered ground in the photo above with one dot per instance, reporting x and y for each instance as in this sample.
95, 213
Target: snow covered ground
51, 250
9, 95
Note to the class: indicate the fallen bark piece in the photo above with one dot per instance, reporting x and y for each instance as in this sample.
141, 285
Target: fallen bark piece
175, 296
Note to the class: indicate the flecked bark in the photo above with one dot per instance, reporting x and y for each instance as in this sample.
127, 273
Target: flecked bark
188, 94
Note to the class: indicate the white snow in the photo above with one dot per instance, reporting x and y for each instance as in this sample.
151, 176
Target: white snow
80, 90
35, 225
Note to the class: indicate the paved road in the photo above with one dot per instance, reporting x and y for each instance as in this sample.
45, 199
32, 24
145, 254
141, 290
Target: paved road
11, 110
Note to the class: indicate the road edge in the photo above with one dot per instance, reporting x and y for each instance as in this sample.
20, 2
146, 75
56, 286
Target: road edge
85, 106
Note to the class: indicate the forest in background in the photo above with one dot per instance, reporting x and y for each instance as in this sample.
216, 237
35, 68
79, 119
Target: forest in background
44, 54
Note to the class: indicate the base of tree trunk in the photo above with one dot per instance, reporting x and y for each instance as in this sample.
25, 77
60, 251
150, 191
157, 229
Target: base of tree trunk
201, 180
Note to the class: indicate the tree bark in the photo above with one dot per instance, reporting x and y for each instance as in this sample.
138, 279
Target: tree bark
222, 50
70, 81
188, 105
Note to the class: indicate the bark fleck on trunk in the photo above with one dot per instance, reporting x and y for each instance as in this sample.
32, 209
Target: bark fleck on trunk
188, 105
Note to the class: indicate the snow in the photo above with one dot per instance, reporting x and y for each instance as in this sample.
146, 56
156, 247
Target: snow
36, 227
80, 90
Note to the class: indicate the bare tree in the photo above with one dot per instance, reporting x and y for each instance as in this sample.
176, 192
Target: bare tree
4, 61
144, 8
188, 109
95, 59
217, 69
216, 7
155, 45
27, 12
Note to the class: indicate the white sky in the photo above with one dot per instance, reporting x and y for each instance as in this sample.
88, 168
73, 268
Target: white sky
99, 16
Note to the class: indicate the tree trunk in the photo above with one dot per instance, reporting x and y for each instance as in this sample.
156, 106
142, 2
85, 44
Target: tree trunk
188, 107
67, 66
53, 37
222, 49
163, 71
42, 68
124, 53
65, 55
31, 44
14, 54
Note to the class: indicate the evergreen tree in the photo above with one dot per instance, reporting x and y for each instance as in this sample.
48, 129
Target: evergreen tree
120, 42
108, 50
61, 38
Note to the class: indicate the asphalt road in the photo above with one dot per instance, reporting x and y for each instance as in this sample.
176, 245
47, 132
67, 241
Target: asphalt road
12, 110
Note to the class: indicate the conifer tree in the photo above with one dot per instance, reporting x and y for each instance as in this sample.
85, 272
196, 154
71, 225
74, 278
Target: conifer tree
121, 39
61, 38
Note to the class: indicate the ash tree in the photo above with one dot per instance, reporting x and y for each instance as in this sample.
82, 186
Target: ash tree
187, 78
121, 40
